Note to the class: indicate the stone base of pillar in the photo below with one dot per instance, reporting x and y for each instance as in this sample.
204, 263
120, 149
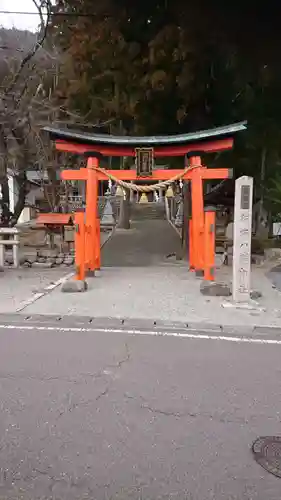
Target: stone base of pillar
213, 289
248, 306
74, 286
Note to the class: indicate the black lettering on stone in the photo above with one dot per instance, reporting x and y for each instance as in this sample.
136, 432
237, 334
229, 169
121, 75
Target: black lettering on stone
245, 197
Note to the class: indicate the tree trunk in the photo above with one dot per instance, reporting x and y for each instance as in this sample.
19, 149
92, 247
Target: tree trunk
53, 189
263, 168
5, 202
21, 180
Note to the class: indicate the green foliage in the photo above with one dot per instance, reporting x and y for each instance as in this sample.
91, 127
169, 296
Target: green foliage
163, 67
273, 196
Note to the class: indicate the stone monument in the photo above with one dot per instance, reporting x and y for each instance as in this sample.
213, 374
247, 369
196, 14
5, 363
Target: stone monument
242, 239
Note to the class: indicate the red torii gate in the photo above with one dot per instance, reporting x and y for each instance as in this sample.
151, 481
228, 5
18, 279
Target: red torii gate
192, 145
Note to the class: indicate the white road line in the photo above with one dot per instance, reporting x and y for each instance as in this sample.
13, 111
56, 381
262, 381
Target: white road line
47, 289
238, 339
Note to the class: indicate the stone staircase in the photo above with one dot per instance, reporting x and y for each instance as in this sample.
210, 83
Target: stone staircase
148, 211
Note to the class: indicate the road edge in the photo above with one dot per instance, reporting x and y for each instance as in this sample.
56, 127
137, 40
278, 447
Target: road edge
139, 325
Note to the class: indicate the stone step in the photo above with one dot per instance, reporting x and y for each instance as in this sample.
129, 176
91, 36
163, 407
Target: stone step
152, 210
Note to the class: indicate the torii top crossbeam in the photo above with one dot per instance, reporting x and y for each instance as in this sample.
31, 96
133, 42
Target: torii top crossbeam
211, 140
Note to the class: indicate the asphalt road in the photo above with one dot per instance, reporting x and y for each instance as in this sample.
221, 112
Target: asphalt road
111, 415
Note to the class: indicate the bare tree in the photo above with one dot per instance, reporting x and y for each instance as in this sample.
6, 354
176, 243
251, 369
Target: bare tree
28, 101
21, 85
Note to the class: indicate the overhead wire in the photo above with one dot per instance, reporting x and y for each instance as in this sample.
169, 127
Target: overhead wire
64, 14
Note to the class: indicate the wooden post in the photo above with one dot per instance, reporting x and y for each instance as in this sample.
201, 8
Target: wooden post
124, 214
98, 246
197, 204
190, 243
79, 220
186, 218
88, 247
209, 244
91, 211
131, 194
242, 239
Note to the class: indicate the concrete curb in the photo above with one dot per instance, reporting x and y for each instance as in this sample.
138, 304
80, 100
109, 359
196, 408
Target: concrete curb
124, 324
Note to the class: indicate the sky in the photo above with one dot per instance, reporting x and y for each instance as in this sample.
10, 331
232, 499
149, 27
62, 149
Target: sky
23, 22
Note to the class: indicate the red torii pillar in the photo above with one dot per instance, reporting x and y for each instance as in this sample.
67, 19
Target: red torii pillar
198, 174
197, 211
92, 238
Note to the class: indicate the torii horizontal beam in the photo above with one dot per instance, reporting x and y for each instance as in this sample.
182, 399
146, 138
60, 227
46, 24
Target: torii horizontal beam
158, 151
157, 175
